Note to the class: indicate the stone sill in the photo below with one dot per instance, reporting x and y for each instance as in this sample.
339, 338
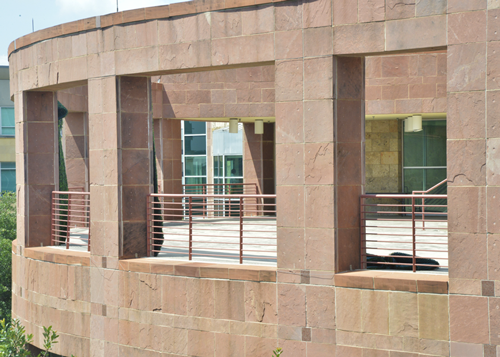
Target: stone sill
50, 254
199, 270
395, 281
157, 266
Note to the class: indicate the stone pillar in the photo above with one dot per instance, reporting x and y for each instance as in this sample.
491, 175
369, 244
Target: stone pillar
168, 143
259, 161
473, 139
252, 156
268, 159
349, 116
120, 142
75, 145
171, 157
36, 165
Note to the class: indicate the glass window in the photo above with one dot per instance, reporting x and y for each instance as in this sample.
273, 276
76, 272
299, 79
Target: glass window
424, 159
435, 132
195, 180
195, 127
196, 166
8, 122
217, 166
195, 145
234, 166
8, 176
426, 147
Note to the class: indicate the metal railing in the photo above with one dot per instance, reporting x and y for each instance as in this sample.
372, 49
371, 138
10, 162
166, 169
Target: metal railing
393, 235
70, 219
224, 194
439, 188
222, 189
238, 227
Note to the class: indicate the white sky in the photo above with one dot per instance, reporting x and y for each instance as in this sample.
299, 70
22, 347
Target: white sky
16, 15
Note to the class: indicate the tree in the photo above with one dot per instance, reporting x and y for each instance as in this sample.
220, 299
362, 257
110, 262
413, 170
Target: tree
8, 215
7, 235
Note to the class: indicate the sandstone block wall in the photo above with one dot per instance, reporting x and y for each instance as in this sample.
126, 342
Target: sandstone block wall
318, 49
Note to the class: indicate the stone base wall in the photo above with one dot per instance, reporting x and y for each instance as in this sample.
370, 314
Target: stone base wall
165, 308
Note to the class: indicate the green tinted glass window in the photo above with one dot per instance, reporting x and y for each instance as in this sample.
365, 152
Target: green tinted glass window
195, 127
217, 166
426, 147
433, 177
195, 145
8, 121
196, 166
413, 149
435, 132
195, 180
414, 180
234, 166
8, 176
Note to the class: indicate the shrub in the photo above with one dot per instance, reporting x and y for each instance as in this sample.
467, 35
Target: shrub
13, 340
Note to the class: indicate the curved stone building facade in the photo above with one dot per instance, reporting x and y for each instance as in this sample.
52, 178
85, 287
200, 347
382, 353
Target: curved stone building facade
114, 300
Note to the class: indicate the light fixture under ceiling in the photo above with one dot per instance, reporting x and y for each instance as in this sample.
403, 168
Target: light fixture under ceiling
413, 124
259, 126
233, 125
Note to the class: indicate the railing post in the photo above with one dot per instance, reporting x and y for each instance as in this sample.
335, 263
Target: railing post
190, 228
52, 220
68, 222
423, 213
87, 208
204, 201
241, 230
148, 220
361, 235
414, 260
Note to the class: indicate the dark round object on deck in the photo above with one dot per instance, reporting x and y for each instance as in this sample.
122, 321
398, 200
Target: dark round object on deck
377, 262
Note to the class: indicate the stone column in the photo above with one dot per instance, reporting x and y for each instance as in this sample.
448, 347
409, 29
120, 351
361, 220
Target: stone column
75, 144
252, 156
268, 159
171, 148
473, 174
36, 168
120, 141
259, 161
349, 158
36, 165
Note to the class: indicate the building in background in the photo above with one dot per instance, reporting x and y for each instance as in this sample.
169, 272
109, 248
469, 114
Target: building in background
7, 144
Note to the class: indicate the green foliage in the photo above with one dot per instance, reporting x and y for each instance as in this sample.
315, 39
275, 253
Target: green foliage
8, 215
49, 339
13, 340
277, 352
5, 278
7, 235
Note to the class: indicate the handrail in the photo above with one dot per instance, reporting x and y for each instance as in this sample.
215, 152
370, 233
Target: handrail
209, 195
423, 199
390, 195
220, 184
432, 188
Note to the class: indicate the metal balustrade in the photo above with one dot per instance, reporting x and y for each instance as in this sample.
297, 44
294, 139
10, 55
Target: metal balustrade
404, 231
70, 219
235, 227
